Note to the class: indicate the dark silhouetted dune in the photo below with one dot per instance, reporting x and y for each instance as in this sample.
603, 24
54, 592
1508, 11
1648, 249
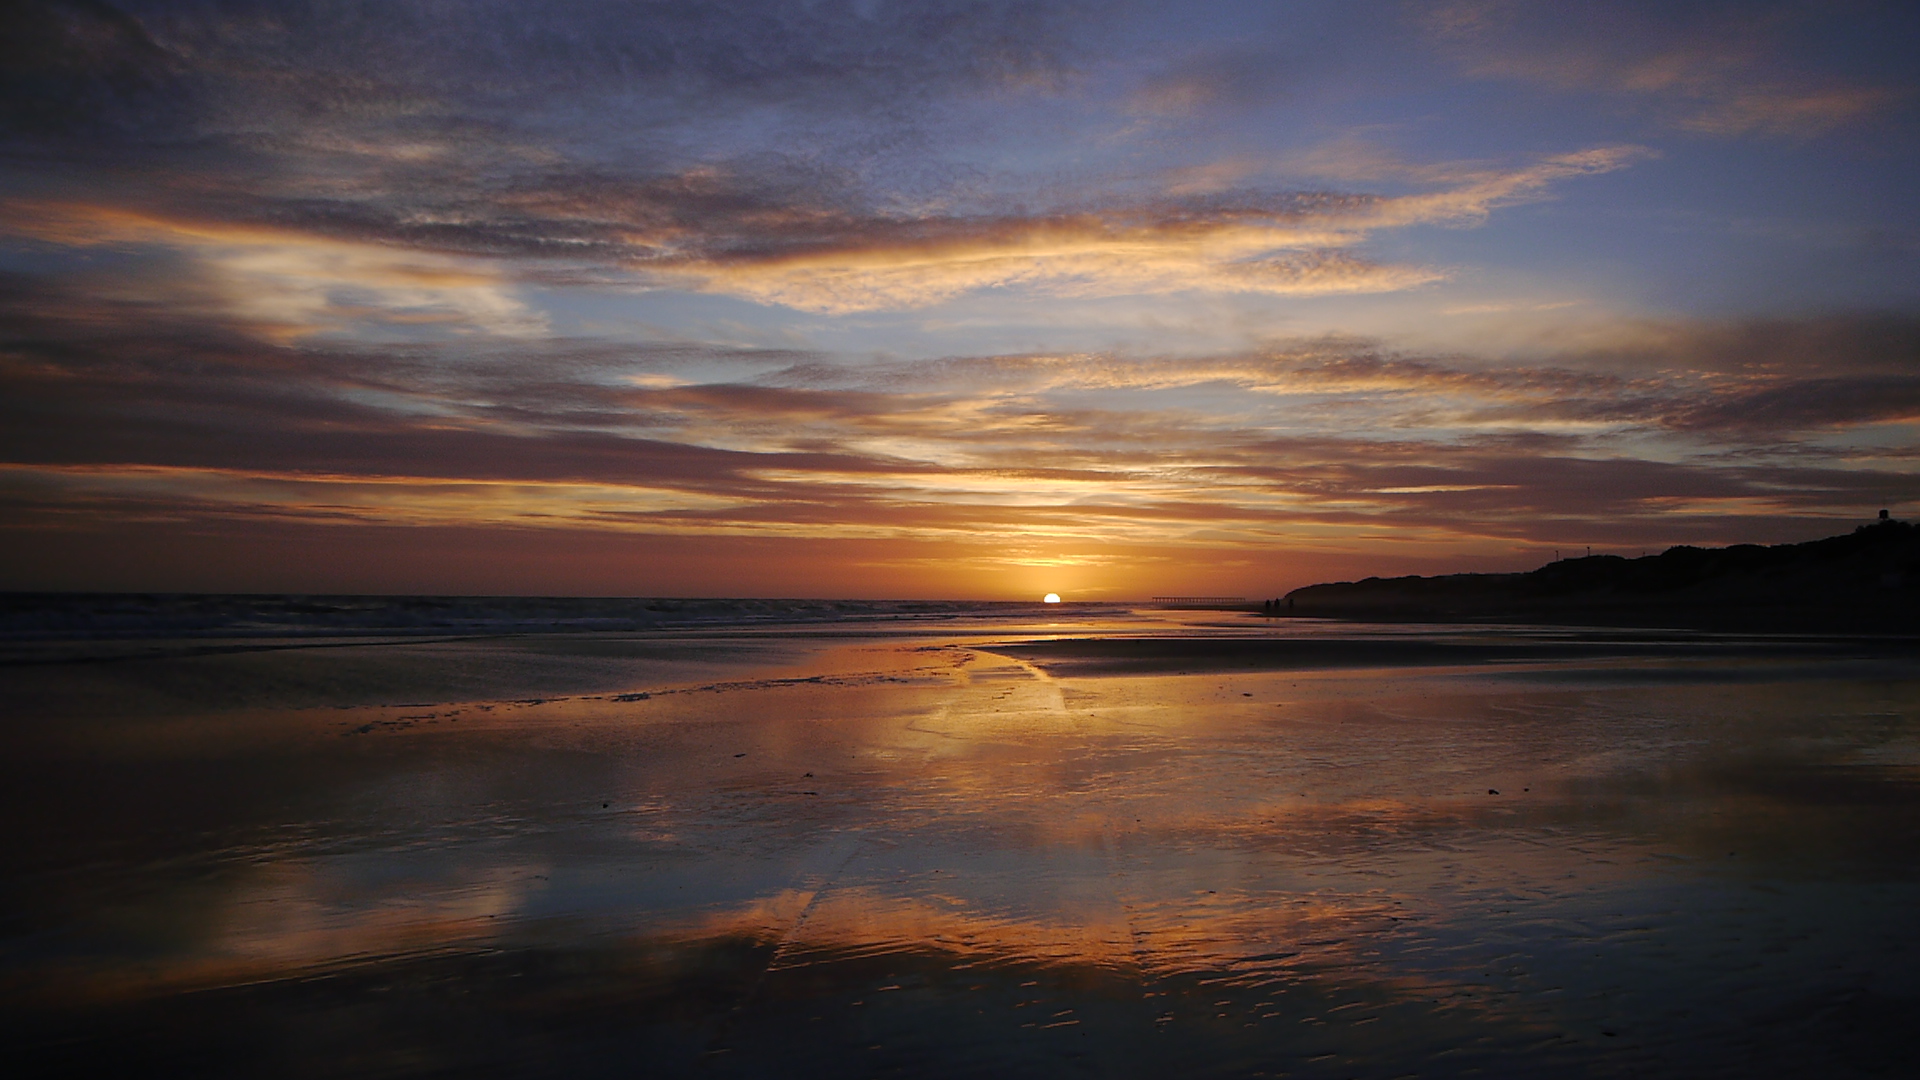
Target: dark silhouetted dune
1868, 579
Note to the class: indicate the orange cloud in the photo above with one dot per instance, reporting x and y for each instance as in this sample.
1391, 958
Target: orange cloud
288, 283
1300, 248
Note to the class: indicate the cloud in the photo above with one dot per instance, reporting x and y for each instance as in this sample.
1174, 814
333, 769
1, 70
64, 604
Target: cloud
382, 168
1207, 79
283, 266
235, 68
71, 67
116, 410
1293, 245
766, 236
284, 281
1713, 69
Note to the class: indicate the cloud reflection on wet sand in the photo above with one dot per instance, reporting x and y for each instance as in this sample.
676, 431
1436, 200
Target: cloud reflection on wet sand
919, 856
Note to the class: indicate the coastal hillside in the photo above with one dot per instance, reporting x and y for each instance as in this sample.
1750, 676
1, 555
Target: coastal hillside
1867, 580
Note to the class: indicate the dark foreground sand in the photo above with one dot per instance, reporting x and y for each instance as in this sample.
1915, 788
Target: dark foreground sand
1114, 847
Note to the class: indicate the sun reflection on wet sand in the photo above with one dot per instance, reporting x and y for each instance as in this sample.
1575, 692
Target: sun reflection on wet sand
940, 854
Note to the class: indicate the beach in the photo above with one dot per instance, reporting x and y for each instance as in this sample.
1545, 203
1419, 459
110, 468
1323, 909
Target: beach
1089, 841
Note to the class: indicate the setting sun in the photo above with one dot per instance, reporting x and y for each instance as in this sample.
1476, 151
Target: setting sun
1051, 598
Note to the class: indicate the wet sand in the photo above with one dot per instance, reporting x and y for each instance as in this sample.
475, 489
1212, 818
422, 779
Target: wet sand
1094, 845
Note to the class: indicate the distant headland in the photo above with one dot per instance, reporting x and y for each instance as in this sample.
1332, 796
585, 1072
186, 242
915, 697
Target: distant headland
1866, 580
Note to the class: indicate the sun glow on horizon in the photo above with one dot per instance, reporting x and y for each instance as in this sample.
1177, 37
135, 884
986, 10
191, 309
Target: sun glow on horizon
1051, 598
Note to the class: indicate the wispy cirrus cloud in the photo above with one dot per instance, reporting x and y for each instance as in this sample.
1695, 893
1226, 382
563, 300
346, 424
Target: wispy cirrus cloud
1710, 69
1290, 245
285, 281
313, 262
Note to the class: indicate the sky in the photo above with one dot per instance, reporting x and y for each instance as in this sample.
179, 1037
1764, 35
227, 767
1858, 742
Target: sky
964, 299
